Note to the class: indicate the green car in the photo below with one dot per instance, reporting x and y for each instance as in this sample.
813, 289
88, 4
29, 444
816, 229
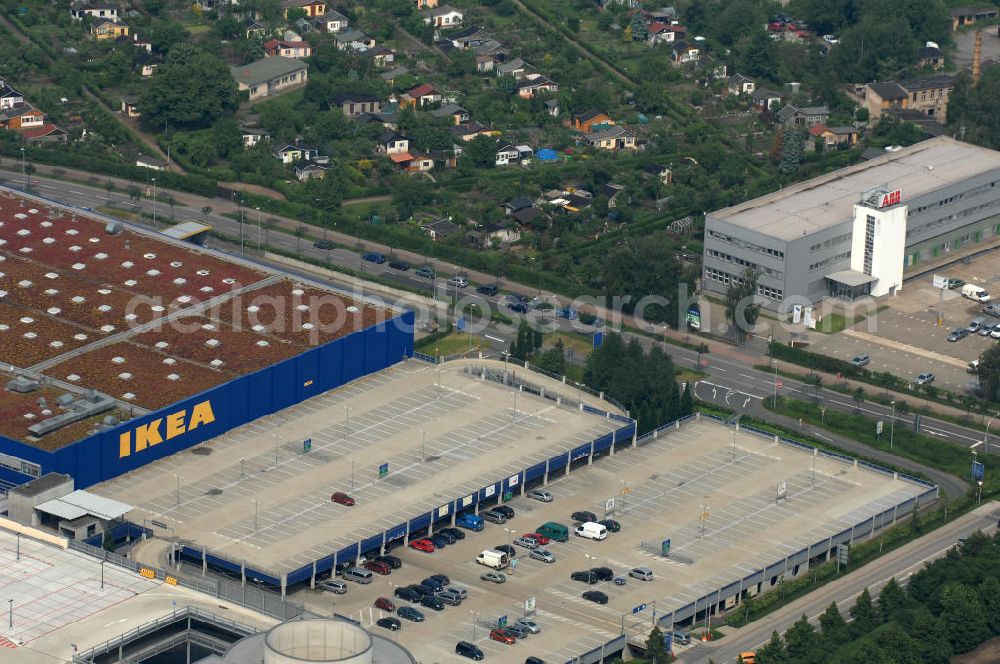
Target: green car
955, 283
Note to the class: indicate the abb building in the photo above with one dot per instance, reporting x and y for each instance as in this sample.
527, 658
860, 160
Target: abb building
857, 231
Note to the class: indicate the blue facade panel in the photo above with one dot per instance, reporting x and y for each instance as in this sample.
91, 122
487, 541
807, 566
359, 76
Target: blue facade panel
538, 470
100, 457
421, 521
371, 544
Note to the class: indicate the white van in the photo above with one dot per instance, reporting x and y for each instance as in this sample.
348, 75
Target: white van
591, 530
977, 293
358, 575
493, 559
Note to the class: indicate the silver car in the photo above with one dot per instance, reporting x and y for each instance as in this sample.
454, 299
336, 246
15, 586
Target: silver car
924, 379
543, 555
540, 494
526, 542
529, 625
338, 587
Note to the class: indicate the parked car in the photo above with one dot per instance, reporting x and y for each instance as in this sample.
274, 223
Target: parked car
958, 334
595, 596
641, 573
439, 541
603, 573
402, 266
458, 281
540, 494
542, 554
508, 549
955, 283
337, 587
324, 244
612, 525
432, 602
342, 498
682, 638
517, 630
422, 545
450, 597
385, 604
488, 289
389, 623
493, 517
619, 581
407, 593
584, 517
494, 577
427, 272
506, 510
530, 625
861, 360
534, 660
409, 613
433, 584
374, 257
378, 567
448, 537
924, 378
391, 561
586, 576
454, 532
441, 578
538, 537
470, 650
526, 542
519, 308
502, 636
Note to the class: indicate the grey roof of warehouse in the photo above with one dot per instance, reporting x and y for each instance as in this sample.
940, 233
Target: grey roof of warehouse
265, 70
828, 200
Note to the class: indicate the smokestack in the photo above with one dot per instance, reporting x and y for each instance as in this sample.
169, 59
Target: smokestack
977, 56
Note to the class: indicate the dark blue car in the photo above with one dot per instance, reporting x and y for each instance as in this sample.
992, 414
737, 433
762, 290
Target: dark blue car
373, 257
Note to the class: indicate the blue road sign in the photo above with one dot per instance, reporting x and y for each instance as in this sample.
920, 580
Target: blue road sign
978, 470
307, 444
639, 609
501, 621
665, 547
460, 323
383, 470
598, 339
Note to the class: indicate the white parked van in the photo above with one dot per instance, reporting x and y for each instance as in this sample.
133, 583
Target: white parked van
977, 293
591, 530
493, 559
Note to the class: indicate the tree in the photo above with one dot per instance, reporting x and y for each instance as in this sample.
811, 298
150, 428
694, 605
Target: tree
892, 600
638, 28
859, 397
792, 151
989, 596
963, 617
989, 373
409, 195
864, 615
742, 310
553, 360
524, 344
482, 151
655, 648
773, 652
801, 643
191, 90
834, 627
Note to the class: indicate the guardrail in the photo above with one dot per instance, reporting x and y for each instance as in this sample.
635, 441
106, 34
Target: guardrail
425, 358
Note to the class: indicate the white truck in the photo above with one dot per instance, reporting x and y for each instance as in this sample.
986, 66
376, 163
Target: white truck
493, 559
591, 530
974, 292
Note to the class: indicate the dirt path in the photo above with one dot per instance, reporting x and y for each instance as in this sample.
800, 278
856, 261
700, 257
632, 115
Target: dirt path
257, 189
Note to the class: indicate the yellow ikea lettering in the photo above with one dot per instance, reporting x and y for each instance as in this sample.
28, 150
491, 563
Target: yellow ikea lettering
147, 435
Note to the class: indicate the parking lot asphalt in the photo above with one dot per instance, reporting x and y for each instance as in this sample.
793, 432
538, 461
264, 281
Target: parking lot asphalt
258, 496
716, 502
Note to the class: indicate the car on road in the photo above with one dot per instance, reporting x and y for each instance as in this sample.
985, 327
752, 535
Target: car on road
542, 554
595, 596
454, 532
342, 498
539, 538
427, 272
458, 281
494, 577
530, 625
488, 289
526, 542
612, 525
324, 244
861, 360
409, 613
506, 510
374, 257
391, 561
586, 576
502, 636
924, 378
603, 573
402, 266
540, 495
407, 593
584, 517
337, 587
389, 623
385, 604
958, 334
518, 308
422, 545
470, 650
432, 602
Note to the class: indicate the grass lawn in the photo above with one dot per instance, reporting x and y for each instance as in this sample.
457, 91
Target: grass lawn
118, 213
581, 345
455, 342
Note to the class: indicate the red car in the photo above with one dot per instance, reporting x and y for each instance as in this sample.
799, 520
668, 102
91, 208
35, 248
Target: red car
378, 567
503, 637
422, 545
541, 539
342, 498
385, 604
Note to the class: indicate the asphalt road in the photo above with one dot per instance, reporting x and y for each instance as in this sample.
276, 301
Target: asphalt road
733, 381
901, 564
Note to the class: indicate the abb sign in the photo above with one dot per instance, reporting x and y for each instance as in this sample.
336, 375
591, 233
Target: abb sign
891, 198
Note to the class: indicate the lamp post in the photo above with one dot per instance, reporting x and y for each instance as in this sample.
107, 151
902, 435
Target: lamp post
154, 201
423, 446
10, 602
243, 468
255, 516
102, 575
347, 422
475, 615
19, 546
242, 233
892, 425
24, 175
986, 438
260, 236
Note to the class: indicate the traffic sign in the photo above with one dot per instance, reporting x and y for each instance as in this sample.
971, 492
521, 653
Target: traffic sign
665, 547
502, 621
878, 427
529, 605
843, 554
383, 470
978, 471
639, 609
609, 505
307, 444
777, 383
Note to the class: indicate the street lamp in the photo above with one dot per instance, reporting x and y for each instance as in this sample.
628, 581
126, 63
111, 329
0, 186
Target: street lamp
892, 425
154, 201
475, 615
986, 438
24, 175
260, 241
102, 575
243, 468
